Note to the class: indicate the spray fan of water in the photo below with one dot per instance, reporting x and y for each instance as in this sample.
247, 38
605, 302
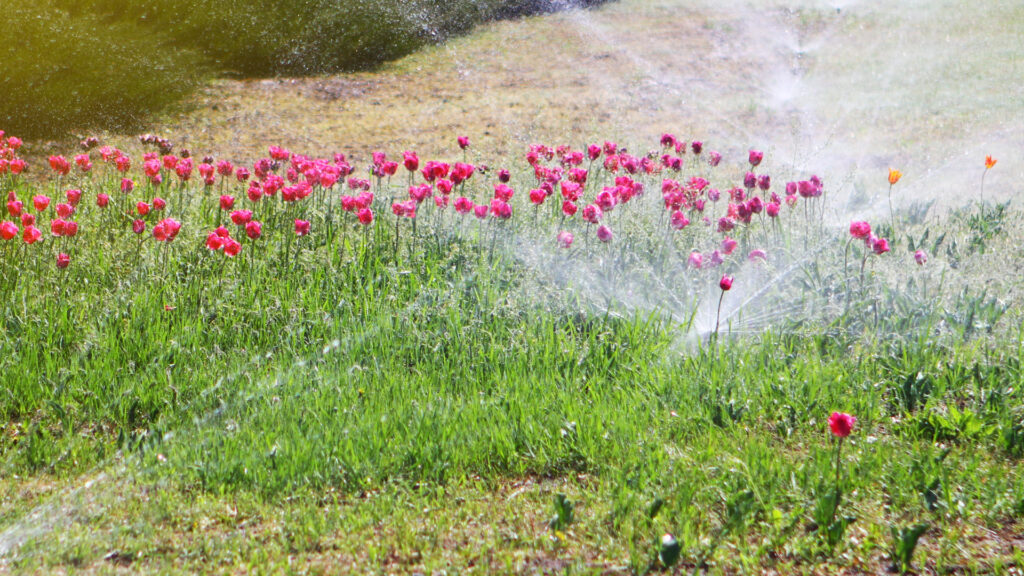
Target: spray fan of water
791, 81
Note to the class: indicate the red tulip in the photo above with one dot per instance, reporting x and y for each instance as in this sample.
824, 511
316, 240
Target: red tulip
142, 208
40, 203
254, 230
501, 209
31, 235
57, 227
102, 200
301, 227
214, 242
755, 157
365, 216
63, 260
841, 424
463, 205
8, 230
241, 217
592, 213
679, 220
725, 283
60, 165
228, 202
14, 208
411, 161
860, 229
232, 247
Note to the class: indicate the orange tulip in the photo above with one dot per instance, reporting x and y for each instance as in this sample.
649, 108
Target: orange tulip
990, 162
894, 176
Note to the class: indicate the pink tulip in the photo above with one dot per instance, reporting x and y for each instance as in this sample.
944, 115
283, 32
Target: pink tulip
678, 220
565, 239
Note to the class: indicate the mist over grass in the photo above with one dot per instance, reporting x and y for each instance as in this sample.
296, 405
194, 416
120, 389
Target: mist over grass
109, 64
